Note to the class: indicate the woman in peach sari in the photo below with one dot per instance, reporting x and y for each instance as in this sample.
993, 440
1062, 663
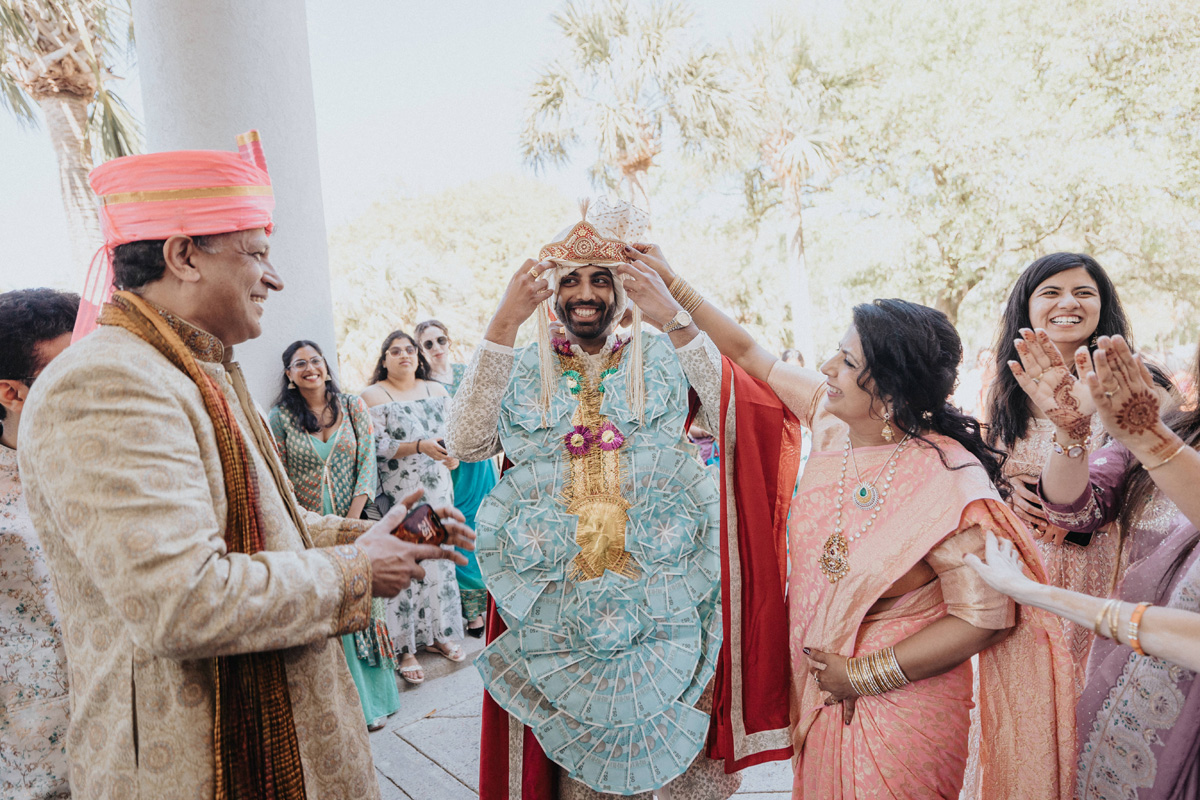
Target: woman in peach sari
884, 614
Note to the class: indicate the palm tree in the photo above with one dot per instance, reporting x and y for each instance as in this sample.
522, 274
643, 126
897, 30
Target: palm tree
791, 152
53, 53
630, 78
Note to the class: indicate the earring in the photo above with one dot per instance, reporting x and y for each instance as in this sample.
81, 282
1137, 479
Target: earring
327, 379
888, 434
291, 385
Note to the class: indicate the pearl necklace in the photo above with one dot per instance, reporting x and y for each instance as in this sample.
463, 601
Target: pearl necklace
835, 555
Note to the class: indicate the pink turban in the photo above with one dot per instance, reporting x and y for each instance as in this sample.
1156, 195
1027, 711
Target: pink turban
185, 192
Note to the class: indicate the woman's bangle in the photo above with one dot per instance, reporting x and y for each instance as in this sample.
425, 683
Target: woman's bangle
1167, 460
1135, 620
1103, 613
875, 673
688, 297
419, 447
1114, 622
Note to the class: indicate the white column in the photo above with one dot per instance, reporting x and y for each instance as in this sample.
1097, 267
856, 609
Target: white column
211, 69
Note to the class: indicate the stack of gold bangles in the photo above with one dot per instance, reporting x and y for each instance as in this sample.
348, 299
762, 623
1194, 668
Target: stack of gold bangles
688, 297
1110, 612
875, 673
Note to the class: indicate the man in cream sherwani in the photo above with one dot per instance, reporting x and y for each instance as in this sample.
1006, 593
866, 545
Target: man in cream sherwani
126, 486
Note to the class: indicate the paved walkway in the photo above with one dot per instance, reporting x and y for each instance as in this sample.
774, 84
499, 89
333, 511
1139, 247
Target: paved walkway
430, 748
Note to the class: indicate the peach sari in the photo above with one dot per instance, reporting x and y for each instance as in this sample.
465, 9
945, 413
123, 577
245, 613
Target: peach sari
914, 742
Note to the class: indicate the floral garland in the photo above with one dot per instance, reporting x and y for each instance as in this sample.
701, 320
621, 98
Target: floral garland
582, 438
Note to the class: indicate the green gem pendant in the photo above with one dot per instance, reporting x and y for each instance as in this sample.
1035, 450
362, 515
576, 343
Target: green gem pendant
865, 496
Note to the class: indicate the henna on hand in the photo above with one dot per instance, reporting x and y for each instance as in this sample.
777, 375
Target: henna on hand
1067, 415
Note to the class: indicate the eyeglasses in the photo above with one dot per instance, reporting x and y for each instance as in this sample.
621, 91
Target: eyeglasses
406, 350
428, 344
316, 361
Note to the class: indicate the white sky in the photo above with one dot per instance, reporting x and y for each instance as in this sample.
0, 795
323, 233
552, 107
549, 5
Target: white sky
412, 97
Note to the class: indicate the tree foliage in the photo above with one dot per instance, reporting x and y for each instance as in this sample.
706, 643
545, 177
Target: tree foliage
447, 255
1002, 131
631, 77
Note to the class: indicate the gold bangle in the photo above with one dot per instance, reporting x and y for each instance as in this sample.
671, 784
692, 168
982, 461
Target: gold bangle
1114, 622
1167, 460
1135, 620
688, 297
1100, 617
852, 672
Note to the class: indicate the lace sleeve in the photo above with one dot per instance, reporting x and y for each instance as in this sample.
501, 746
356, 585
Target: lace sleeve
475, 409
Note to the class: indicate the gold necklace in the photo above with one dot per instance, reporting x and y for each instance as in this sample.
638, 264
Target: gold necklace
834, 560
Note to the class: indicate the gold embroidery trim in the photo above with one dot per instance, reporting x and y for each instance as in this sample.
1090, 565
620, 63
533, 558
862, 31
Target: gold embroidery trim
592, 490
186, 194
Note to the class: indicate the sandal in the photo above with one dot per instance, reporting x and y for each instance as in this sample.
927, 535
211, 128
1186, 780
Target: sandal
450, 650
412, 673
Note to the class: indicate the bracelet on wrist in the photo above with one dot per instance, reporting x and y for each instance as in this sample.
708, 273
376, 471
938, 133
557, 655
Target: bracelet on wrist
1103, 613
419, 447
1166, 460
875, 673
687, 297
1135, 621
1071, 450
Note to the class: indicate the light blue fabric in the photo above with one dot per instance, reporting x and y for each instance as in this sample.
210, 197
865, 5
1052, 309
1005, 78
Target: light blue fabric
605, 671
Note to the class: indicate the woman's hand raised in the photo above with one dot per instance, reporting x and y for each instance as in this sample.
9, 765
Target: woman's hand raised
1127, 398
1046, 378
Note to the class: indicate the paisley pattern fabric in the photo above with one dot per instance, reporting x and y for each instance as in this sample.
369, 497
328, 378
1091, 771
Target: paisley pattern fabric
1091, 570
429, 610
350, 469
124, 485
1138, 716
606, 670
33, 664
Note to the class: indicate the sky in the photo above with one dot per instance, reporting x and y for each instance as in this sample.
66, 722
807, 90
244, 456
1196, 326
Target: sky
410, 97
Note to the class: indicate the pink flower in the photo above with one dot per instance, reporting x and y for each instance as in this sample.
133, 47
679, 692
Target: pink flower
609, 437
619, 343
561, 346
579, 440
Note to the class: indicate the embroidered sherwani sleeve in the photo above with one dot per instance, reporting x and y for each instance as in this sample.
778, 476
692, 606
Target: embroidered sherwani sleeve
475, 410
140, 509
701, 362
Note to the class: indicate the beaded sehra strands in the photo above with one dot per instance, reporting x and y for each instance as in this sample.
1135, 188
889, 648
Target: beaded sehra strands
835, 555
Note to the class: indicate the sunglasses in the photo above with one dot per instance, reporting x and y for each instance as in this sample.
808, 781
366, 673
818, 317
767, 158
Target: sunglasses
429, 343
406, 350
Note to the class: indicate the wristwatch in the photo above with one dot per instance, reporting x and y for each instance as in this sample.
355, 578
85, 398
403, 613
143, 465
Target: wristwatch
1070, 451
681, 320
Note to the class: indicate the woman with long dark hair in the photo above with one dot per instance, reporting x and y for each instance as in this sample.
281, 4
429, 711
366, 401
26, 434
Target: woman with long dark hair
1072, 299
409, 411
325, 442
473, 480
884, 616
1139, 713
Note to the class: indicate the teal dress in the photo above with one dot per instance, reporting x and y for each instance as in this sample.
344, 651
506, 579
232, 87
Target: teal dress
369, 653
473, 480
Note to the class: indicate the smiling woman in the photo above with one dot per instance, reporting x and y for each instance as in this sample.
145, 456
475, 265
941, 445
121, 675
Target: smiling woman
883, 614
1071, 298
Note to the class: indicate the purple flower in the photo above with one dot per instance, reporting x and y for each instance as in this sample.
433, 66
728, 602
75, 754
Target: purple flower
619, 343
609, 437
579, 440
561, 346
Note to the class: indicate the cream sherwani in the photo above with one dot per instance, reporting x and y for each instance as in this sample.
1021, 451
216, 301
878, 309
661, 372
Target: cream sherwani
124, 484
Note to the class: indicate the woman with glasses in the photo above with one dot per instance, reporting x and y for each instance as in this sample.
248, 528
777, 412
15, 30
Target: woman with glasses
326, 445
473, 480
409, 411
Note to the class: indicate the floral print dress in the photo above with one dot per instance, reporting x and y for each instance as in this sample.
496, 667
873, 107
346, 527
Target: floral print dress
33, 666
429, 610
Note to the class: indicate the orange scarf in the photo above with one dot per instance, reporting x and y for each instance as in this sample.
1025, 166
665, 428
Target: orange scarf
255, 750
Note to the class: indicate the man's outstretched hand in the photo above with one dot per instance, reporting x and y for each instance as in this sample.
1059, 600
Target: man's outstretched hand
395, 562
